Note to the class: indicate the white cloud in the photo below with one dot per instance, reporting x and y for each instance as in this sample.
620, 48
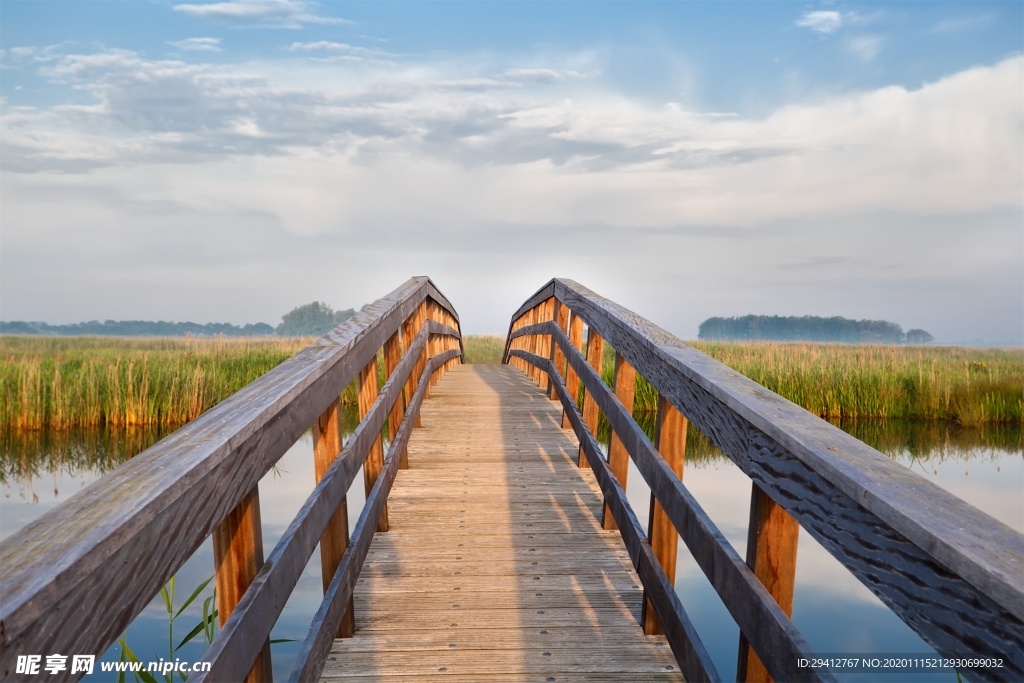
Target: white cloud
197, 44
821, 21
316, 156
865, 48
259, 13
343, 48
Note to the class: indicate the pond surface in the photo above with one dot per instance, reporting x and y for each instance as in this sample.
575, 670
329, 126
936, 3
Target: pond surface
833, 610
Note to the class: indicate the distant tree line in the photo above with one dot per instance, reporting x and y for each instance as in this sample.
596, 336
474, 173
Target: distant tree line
136, 328
310, 320
810, 328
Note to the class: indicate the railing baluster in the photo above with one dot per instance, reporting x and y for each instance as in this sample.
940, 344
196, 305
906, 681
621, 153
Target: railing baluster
561, 318
771, 553
595, 356
375, 460
326, 447
544, 345
392, 356
238, 556
421, 318
618, 456
572, 380
670, 440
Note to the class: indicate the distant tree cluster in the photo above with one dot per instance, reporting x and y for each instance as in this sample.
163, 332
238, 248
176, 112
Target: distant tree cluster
312, 320
810, 328
136, 328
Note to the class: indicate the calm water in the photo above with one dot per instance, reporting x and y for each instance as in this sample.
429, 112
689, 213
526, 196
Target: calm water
833, 610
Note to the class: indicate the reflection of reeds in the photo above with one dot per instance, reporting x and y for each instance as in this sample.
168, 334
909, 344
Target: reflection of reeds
905, 440
968, 386
59, 383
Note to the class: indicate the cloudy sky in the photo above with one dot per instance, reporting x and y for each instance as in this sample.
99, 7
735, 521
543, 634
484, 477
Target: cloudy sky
228, 161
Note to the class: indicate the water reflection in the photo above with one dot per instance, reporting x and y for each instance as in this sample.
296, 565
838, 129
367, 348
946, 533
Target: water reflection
833, 610
983, 466
38, 471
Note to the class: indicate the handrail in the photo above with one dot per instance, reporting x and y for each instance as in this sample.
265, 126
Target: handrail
63, 577
948, 570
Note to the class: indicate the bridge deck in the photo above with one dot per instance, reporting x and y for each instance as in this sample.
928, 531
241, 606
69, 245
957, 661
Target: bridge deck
495, 566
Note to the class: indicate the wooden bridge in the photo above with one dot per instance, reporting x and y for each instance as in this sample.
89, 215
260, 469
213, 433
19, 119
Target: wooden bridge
496, 542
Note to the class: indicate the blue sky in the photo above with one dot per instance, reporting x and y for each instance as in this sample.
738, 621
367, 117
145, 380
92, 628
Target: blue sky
228, 161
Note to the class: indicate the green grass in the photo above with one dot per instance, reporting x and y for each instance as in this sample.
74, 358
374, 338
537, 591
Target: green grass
60, 383
968, 386
483, 348
65, 382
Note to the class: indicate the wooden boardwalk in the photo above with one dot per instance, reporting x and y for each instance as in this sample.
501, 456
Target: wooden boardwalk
495, 567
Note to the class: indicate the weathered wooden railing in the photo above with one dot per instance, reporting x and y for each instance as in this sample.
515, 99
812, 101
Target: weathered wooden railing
951, 572
74, 579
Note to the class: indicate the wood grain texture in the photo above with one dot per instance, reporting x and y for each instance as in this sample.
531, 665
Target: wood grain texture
314, 650
618, 458
495, 567
595, 356
670, 440
572, 380
375, 460
777, 641
392, 355
238, 556
771, 552
326, 448
63, 576
887, 525
557, 357
234, 647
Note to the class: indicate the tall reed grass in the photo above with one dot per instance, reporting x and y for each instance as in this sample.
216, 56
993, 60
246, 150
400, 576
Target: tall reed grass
60, 383
964, 385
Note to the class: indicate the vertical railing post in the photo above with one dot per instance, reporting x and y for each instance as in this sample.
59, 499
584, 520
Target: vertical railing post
533, 343
433, 343
572, 380
374, 462
238, 556
392, 356
421, 362
561, 318
326, 447
544, 342
520, 342
771, 554
595, 356
670, 440
618, 456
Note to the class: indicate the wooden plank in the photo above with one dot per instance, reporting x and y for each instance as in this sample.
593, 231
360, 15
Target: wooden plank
251, 622
181, 489
595, 357
561, 318
771, 552
769, 630
334, 541
618, 458
392, 355
670, 440
314, 650
572, 380
531, 585
238, 556
879, 519
375, 460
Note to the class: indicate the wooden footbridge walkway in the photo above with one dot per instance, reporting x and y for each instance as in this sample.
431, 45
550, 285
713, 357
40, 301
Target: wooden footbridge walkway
495, 566
496, 542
